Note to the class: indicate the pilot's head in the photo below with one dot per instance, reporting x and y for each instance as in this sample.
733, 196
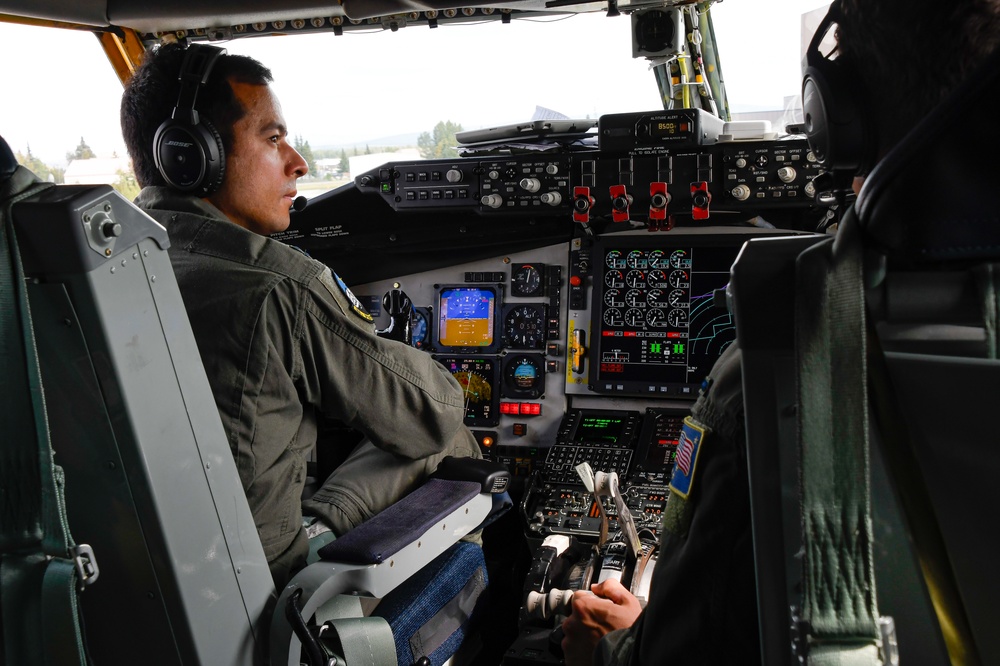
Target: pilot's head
257, 185
910, 54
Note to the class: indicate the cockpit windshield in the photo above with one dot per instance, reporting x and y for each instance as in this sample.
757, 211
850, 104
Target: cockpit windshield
374, 90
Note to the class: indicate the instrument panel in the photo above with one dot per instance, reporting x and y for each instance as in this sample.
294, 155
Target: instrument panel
648, 328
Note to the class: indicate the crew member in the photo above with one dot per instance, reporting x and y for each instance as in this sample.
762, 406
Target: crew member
702, 605
282, 338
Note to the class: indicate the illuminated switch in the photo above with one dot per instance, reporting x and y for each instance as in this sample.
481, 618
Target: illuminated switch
531, 408
510, 408
519, 429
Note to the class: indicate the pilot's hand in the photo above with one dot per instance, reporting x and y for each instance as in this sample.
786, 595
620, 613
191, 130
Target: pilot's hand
610, 607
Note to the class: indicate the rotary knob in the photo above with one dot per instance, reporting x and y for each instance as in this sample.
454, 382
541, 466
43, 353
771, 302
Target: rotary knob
492, 200
741, 192
453, 176
531, 184
786, 174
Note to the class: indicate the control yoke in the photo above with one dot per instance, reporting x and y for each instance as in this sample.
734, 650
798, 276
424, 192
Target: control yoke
397, 305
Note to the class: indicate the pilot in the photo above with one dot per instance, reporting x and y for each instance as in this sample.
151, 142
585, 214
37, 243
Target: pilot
702, 604
283, 340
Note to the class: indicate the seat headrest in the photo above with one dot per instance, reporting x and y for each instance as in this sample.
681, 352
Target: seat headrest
933, 197
7, 162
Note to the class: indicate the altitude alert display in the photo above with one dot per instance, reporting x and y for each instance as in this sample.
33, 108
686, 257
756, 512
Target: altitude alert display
660, 331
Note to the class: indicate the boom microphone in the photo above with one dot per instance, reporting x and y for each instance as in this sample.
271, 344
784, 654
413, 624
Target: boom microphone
299, 204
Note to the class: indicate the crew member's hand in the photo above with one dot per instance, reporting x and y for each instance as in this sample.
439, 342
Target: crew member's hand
610, 607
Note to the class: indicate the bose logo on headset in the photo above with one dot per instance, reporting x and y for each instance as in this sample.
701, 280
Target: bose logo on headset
186, 149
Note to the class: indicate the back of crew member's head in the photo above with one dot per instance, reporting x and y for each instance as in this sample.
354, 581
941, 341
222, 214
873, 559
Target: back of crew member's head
152, 92
910, 54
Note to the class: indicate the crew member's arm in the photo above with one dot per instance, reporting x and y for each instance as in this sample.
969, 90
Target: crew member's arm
399, 397
610, 607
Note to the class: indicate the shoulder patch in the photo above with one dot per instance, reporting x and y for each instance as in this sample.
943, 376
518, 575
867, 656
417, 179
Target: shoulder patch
686, 461
356, 306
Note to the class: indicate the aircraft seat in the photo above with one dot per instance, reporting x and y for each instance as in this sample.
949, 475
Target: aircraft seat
7, 162
921, 366
151, 484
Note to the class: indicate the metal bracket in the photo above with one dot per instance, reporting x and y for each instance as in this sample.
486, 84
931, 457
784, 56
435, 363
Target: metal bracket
101, 228
86, 565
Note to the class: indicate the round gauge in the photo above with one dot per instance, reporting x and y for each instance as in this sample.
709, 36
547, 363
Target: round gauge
635, 298
614, 279
613, 298
614, 259
657, 298
678, 299
657, 279
657, 259
523, 376
613, 317
656, 318
634, 317
635, 279
636, 259
677, 318
418, 328
524, 327
526, 280
680, 259
679, 279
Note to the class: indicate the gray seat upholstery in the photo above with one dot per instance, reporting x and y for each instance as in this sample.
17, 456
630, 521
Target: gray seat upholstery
151, 484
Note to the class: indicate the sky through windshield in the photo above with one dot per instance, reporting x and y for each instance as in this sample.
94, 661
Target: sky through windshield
360, 89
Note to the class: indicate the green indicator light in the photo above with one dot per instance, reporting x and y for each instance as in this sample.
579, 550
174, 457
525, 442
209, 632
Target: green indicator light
655, 347
678, 347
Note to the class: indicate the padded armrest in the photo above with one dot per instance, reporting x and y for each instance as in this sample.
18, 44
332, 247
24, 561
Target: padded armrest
385, 534
430, 530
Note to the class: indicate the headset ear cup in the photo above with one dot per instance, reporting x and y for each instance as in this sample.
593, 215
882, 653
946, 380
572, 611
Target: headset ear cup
838, 131
189, 157
215, 171
814, 115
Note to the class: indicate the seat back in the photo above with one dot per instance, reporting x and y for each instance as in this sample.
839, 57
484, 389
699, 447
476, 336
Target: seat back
7, 162
930, 237
151, 484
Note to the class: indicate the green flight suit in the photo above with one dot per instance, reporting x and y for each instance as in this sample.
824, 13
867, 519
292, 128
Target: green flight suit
283, 340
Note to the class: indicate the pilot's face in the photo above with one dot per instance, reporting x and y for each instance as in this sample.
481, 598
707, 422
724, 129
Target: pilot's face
261, 167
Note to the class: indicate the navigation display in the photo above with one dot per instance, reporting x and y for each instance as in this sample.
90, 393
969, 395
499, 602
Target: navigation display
478, 377
467, 317
658, 332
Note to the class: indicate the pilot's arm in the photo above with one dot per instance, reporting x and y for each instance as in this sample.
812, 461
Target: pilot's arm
404, 401
408, 405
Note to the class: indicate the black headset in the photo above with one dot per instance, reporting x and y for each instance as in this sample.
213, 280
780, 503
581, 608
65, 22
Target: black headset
840, 136
186, 149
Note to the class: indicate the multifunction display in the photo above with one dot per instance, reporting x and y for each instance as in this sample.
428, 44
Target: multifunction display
478, 379
657, 330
